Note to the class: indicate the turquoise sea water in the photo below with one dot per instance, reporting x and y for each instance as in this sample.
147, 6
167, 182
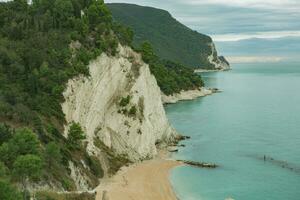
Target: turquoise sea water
257, 114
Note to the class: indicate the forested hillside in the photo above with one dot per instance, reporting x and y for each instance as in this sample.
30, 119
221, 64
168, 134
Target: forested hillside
42, 46
171, 40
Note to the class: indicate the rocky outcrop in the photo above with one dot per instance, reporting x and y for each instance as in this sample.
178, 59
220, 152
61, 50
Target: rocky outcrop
186, 95
219, 62
119, 104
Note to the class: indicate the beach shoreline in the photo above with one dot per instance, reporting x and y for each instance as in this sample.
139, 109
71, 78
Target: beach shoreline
146, 180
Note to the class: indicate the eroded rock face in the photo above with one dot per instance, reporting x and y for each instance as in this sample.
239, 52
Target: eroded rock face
219, 62
132, 129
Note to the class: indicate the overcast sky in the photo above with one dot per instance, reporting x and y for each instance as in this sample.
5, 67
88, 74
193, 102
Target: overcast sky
233, 19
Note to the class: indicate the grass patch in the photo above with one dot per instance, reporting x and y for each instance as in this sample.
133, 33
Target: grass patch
46, 195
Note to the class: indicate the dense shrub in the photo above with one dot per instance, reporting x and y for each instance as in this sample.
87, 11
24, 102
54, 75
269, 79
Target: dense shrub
171, 77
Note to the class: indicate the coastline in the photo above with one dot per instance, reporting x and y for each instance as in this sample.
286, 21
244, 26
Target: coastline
210, 70
146, 180
188, 95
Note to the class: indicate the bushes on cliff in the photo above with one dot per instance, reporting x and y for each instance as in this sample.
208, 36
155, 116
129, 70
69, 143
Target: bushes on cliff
8, 192
171, 77
36, 59
75, 136
42, 45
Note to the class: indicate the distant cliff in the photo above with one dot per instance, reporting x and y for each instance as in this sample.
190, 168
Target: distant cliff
170, 39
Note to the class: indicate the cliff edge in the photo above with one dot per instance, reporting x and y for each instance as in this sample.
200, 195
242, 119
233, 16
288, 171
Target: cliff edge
120, 104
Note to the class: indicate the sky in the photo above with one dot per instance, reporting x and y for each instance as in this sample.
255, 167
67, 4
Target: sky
273, 25
228, 17
235, 25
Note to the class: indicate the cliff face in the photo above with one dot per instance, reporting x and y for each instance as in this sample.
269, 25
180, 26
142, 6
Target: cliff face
219, 62
119, 104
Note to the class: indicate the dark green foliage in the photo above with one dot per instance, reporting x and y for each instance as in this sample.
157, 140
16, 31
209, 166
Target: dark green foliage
171, 40
22, 143
53, 155
3, 170
5, 133
44, 195
132, 111
125, 101
42, 46
8, 192
75, 136
27, 167
36, 58
171, 77
94, 165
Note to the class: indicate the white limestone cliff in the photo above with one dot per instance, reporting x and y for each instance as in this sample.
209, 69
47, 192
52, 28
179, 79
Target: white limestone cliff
94, 103
219, 62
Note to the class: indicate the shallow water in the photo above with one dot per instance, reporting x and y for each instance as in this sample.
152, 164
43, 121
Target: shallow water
257, 114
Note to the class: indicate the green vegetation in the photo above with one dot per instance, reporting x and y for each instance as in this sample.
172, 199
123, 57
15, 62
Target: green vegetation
43, 195
75, 136
38, 52
171, 40
52, 154
171, 77
20, 159
42, 46
125, 101
132, 111
8, 192
28, 167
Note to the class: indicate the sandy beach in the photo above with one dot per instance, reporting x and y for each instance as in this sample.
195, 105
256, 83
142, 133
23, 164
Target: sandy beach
148, 180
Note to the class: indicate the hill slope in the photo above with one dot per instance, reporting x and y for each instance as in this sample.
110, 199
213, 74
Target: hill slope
76, 103
170, 39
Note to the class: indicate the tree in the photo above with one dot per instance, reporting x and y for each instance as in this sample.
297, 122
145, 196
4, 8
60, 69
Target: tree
22, 143
52, 154
25, 142
5, 133
63, 12
98, 13
8, 192
27, 168
3, 170
75, 136
147, 52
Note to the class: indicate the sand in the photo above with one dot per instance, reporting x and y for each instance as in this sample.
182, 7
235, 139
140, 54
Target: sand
148, 180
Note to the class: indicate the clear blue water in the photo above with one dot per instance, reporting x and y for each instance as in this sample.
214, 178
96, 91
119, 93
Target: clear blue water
257, 114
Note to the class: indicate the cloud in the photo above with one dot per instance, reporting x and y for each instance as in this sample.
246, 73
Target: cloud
257, 35
254, 59
263, 4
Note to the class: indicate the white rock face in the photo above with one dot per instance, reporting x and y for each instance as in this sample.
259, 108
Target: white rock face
79, 178
217, 61
186, 95
94, 103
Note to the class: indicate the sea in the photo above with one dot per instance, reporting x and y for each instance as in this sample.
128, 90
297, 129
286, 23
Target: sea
251, 130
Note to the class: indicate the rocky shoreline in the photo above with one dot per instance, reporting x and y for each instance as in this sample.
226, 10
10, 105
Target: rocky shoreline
188, 95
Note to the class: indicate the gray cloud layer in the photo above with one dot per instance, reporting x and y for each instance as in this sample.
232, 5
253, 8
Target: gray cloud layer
234, 16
